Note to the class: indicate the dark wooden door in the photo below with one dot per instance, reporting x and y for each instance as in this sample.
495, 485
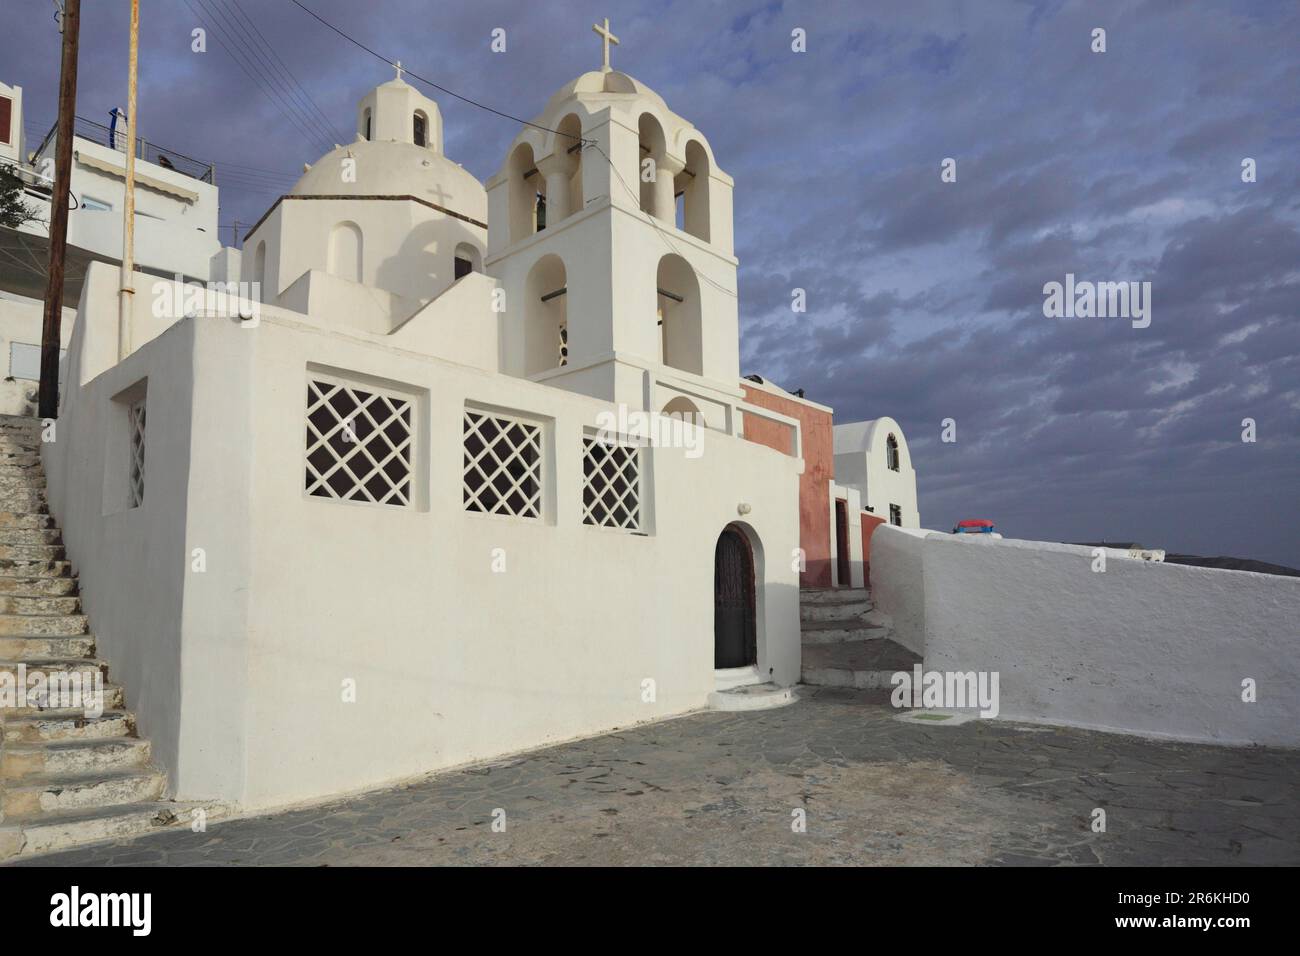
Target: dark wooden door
735, 642
842, 544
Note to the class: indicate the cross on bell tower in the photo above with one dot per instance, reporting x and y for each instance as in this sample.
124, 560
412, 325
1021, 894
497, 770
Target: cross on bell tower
606, 38
399, 68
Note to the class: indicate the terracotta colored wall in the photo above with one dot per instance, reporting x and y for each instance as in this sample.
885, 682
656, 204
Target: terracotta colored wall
814, 483
869, 524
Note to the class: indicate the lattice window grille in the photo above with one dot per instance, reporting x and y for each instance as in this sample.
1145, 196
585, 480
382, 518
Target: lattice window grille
136, 414
503, 465
359, 444
611, 492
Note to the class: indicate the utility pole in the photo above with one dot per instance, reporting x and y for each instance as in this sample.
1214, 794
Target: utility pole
126, 295
51, 333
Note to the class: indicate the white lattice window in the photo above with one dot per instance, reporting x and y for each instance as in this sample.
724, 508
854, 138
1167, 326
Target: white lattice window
503, 465
136, 415
359, 443
611, 489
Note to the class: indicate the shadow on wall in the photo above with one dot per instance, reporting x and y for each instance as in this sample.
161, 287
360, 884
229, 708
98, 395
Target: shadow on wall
425, 262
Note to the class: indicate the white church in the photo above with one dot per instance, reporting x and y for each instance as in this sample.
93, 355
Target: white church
478, 472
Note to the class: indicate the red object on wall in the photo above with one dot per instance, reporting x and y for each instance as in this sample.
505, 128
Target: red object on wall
870, 522
814, 483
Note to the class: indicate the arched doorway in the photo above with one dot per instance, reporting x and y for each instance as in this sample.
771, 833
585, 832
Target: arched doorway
735, 635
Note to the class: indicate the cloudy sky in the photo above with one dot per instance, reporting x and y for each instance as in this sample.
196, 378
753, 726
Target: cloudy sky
925, 298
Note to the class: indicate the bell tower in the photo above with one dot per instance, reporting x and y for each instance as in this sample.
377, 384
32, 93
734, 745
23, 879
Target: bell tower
609, 227
396, 112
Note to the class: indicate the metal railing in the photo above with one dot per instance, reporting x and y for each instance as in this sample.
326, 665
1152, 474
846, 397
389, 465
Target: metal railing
144, 150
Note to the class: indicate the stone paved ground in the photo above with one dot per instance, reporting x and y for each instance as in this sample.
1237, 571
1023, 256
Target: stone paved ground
720, 788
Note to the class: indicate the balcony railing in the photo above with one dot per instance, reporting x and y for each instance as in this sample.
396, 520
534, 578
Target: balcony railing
144, 150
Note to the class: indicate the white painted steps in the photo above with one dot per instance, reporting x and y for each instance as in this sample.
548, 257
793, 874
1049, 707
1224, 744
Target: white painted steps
752, 697
847, 642
66, 777
743, 688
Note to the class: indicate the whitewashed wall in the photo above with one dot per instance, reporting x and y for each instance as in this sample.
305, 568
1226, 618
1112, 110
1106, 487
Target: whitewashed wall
1149, 648
897, 582
237, 672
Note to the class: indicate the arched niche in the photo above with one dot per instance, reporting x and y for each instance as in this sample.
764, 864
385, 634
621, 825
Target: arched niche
677, 309
694, 185
524, 186
546, 316
654, 146
345, 251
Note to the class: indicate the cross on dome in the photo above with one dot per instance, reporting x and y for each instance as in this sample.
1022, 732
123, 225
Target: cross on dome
398, 67
606, 38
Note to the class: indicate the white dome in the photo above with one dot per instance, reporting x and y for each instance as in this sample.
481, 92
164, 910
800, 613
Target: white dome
395, 169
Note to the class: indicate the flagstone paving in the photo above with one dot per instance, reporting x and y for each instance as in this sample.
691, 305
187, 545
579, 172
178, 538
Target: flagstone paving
733, 788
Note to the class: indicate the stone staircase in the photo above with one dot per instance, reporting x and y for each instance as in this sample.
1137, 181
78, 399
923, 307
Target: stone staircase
847, 642
68, 775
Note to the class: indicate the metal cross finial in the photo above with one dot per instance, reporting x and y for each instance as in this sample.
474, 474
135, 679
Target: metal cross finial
398, 67
606, 38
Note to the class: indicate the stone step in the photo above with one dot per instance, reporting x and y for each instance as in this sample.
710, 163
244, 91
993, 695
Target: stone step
85, 666
12, 466
30, 649
34, 567
30, 480
114, 699
61, 830
50, 552
752, 697
837, 632
24, 501
728, 677
833, 595
36, 797
861, 664
47, 536
39, 728
39, 604
841, 611
10, 456
13, 446
71, 758
12, 520
37, 587
42, 625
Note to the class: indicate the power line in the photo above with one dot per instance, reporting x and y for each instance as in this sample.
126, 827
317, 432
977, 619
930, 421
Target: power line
428, 82
229, 25
283, 68
289, 113
241, 37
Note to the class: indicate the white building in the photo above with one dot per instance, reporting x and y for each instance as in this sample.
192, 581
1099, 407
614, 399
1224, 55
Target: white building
405, 517
175, 229
872, 457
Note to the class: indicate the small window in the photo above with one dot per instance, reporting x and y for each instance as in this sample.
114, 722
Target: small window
611, 490
896, 515
420, 130
503, 465
367, 125
891, 453
6, 119
98, 205
359, 444
137, 418
463, 267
